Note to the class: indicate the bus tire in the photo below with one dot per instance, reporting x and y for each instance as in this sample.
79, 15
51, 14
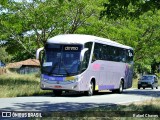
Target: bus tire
120, 89
91, 89
57, 92
121, 86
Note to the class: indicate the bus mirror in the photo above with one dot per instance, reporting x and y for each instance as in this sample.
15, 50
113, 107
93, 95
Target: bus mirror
82, 53
38, 52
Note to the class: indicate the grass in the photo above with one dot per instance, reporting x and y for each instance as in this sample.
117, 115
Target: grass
15, 85
135, 83
128, 112
132, 111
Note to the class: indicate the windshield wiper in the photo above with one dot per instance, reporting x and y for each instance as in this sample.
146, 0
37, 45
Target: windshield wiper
54, 66
65, 69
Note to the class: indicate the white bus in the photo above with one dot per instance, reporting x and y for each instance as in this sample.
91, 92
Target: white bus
74, 62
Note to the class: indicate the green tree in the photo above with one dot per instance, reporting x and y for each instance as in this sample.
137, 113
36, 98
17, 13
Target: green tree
128, 8
27, 25
143, 34
4, 56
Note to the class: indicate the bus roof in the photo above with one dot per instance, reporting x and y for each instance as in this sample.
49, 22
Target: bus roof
81, 39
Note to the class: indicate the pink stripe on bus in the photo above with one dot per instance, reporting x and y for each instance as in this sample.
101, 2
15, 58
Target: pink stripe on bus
96, 66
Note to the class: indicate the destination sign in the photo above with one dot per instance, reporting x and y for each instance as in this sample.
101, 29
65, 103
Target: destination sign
71, 48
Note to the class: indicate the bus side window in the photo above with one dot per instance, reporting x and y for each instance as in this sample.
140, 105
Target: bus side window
89, 46
85, 61
96, 52
129, 56
122, 55
110, 53
95, 57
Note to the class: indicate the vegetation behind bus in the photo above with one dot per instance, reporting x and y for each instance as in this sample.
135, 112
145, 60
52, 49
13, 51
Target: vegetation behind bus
26, 27
14, 85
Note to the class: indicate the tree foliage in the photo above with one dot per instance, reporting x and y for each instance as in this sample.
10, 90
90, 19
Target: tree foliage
128, 8
143, 34
4, 56
27, 25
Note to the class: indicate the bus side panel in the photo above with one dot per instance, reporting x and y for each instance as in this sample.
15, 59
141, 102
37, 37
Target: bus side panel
128, 75
111, 74
86, 77
108, 74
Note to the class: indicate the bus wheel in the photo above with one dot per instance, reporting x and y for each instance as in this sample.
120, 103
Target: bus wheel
91, 89
57, 92
120, 90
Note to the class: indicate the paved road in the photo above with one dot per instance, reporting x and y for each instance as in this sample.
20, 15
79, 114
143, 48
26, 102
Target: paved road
75, 101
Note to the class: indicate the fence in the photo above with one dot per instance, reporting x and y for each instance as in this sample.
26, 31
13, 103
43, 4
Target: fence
3, 71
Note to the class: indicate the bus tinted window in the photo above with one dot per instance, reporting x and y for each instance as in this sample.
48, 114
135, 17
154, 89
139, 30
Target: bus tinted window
111, 53
129, 56
89, 46
85, 61
96, 52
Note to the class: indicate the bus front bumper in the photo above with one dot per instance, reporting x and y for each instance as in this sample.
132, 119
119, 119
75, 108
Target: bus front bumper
72, 86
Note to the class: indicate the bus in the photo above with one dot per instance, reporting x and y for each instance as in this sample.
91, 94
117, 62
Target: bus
77, 62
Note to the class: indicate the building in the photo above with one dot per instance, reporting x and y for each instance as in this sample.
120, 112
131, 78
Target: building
25, 67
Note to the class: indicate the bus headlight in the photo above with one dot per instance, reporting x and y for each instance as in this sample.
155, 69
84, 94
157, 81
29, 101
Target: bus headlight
72, 79
75, 79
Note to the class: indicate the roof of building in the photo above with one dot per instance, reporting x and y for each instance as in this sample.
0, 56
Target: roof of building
28, 62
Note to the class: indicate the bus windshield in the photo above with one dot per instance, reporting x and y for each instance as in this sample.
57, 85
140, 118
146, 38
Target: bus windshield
61, 60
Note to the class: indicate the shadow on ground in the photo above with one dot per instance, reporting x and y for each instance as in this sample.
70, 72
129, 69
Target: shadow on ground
74, 109
47, 106
147, 92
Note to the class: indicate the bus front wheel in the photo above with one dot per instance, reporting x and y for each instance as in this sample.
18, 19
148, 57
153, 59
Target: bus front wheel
91, 89
120, 90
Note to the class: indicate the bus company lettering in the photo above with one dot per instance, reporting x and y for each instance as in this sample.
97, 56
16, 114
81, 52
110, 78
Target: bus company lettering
71, 48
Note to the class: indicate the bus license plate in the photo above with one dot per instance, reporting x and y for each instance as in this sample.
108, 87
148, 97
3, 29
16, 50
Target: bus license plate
57, 86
